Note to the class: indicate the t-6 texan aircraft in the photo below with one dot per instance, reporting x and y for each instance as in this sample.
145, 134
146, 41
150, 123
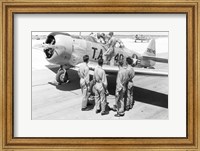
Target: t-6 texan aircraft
141, 38
68, 50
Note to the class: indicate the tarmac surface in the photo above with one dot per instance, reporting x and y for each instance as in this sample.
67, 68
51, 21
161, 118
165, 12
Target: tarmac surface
63, 102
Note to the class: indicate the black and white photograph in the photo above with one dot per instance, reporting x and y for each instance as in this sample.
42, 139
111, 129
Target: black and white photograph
99, 75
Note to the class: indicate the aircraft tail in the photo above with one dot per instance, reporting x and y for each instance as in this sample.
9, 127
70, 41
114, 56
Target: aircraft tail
151, 49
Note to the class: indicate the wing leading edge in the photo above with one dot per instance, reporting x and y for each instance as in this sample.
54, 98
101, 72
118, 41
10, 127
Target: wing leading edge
114, 69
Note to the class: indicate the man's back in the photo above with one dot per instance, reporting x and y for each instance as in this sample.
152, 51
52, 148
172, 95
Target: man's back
99, 75
130, 73
122, 78
84, 72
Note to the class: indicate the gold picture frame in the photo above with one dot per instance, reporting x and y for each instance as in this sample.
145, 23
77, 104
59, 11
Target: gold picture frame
10, 7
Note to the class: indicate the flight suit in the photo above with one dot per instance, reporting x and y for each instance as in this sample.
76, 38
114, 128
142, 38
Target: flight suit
121, 83
99, 87
83, 73
111, 49
130, 73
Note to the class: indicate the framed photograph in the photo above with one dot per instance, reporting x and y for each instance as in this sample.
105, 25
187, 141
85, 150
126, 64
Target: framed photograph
62, 73
99, 75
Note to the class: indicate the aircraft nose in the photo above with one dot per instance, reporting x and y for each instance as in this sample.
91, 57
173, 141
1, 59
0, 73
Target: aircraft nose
63, 52
57, 54
49, 52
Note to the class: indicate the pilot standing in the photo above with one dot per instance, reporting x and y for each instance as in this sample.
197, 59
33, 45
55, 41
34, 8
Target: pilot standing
83, 73
100, 88
131, 74
121, 83
111, 48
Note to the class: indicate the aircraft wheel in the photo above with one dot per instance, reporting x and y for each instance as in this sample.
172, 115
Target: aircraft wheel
61, 76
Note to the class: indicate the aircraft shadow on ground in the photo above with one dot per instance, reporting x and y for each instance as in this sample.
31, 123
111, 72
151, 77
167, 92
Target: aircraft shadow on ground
150, 97
140, 94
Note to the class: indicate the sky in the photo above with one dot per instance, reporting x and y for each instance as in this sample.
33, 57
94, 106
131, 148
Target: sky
116, 33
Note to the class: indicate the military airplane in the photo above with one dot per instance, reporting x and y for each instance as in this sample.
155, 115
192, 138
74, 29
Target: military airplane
68, 50
141, 38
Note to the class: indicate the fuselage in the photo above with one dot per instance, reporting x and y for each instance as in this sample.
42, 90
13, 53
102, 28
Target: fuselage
64, 49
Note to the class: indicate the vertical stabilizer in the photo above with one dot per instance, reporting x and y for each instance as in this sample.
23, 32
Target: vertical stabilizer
151, 49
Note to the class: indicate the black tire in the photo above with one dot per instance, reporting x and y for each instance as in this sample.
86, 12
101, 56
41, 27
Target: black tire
61, 76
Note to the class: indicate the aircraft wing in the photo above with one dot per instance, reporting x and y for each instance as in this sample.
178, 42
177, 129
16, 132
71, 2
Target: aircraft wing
163, 60
114, 69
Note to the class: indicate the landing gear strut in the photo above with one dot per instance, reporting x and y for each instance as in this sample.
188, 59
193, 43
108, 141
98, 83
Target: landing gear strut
62, 75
